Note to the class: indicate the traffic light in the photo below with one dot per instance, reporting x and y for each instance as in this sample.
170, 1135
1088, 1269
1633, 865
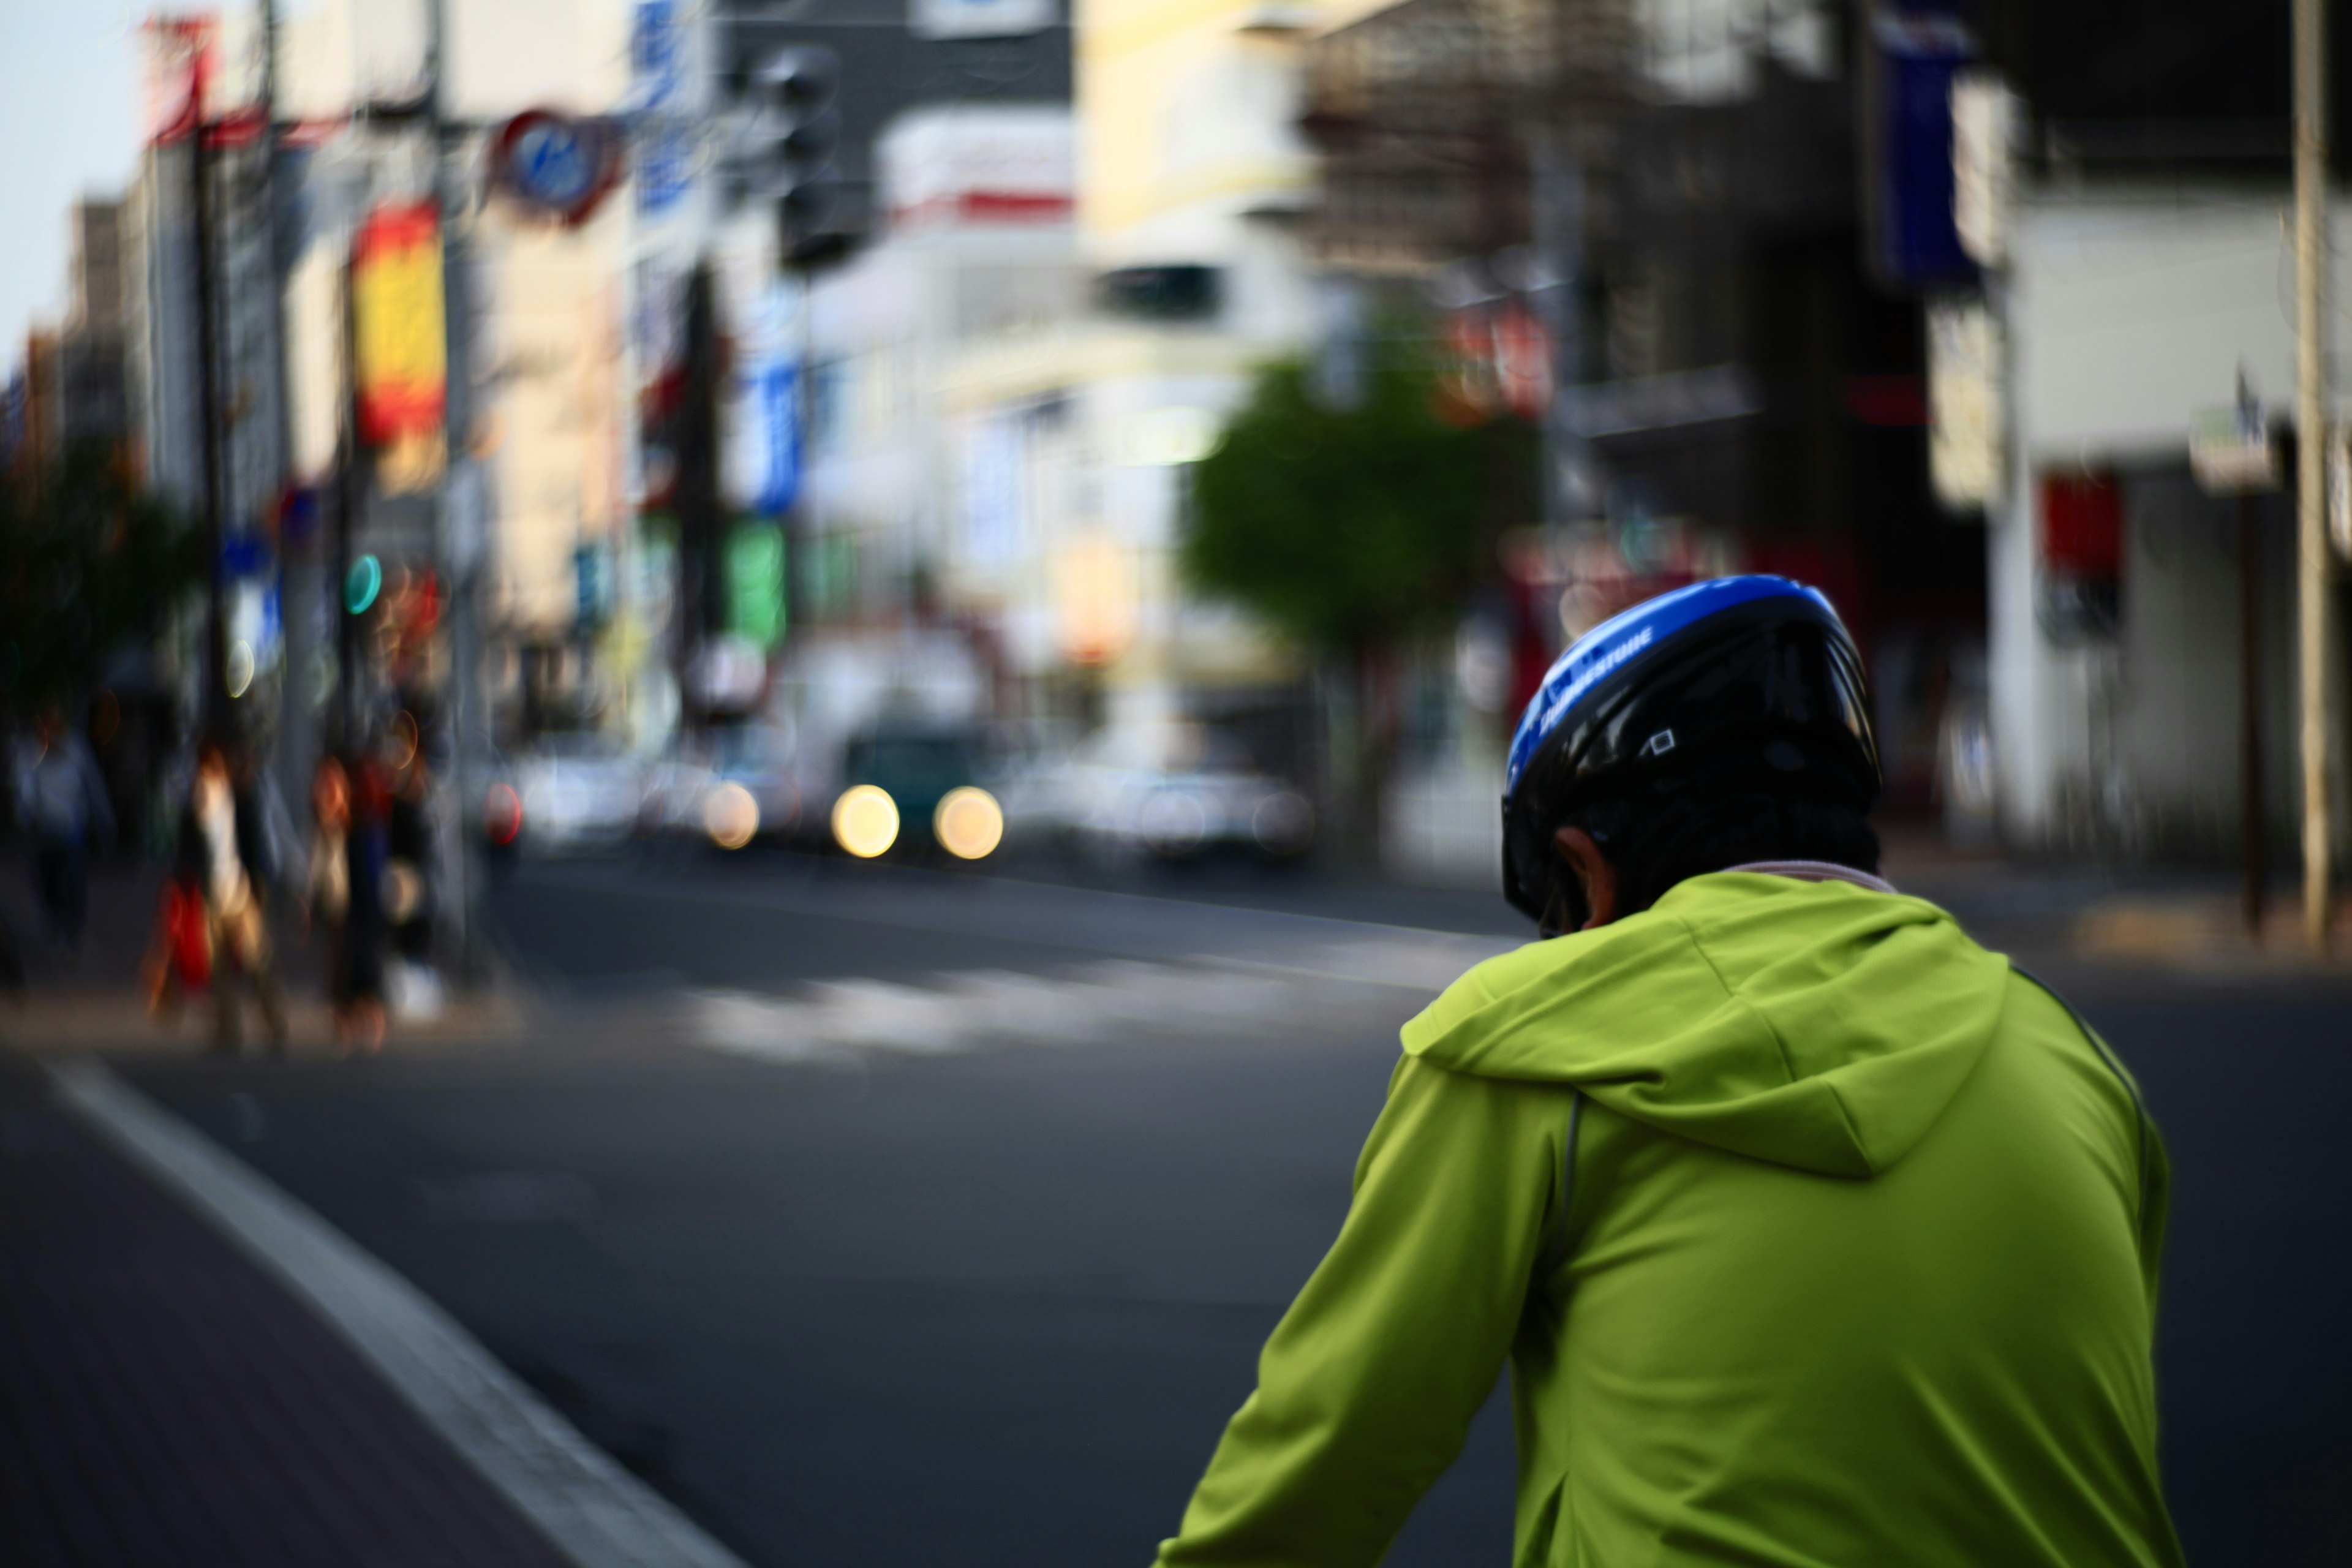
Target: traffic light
793, 133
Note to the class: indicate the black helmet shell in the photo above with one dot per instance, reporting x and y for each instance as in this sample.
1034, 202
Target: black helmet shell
1751, 680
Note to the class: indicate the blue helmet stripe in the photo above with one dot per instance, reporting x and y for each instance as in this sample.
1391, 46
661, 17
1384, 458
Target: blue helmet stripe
1610, 645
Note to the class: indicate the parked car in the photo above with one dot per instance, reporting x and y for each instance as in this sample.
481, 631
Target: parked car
578, 790
1208, 798
729, 785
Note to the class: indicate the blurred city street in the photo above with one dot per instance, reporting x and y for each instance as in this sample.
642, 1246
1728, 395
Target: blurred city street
855, 1276
732, 732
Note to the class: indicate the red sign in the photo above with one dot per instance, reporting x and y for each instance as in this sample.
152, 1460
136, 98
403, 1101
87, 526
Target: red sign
179, 73
2083, 525
1502, 363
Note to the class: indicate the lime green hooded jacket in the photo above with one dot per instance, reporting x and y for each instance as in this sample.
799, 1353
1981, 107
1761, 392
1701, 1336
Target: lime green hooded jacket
1815, 1235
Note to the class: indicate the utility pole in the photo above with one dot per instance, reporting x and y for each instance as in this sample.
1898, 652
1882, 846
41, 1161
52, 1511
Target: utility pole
2311, 451
699, 601
462, 526
214, 709
2254, 829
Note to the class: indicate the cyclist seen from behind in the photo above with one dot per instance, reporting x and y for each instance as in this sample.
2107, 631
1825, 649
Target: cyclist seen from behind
1814, 1233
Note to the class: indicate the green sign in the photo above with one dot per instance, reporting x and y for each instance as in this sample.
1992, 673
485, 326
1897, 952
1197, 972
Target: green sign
755, 582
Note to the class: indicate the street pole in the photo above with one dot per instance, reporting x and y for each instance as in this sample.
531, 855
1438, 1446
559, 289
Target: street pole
2254, 827
696, 491
212, 710
350, 487
461, 526
2311, 449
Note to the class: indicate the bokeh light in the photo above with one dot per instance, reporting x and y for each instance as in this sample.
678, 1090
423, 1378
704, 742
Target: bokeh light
731, 817
502, 814
864, 821
969, 823
361, 583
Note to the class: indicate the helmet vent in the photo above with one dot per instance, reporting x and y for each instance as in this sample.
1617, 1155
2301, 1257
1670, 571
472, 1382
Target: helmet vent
1659, 744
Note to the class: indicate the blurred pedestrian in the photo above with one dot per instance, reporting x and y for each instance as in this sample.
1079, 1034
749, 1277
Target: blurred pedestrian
345, 904
1814, 1233
225, 855
409, 901
61, 800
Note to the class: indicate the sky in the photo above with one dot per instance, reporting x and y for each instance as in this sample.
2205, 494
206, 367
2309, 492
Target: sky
69, 125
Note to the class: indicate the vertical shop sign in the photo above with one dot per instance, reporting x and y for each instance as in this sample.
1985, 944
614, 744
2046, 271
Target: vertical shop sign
403, 352
755, 583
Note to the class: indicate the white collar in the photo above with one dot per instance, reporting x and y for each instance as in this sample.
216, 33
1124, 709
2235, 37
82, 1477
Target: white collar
1816, 871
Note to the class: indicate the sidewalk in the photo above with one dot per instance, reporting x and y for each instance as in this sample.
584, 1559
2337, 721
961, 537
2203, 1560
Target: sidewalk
96, 997
163, 1402
2122, 917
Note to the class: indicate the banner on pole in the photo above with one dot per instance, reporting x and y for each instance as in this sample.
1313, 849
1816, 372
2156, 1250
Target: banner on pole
401, 343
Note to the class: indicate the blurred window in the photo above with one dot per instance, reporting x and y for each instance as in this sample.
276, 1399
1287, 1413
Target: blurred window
1182, 293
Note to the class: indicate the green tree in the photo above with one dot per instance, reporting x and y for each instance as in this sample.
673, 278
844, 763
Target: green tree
88, 563
1354, 531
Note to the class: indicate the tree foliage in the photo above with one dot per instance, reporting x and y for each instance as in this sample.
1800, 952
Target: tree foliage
1350, 528
88, 563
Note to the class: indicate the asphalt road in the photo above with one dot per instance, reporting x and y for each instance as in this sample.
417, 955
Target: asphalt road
872, 1306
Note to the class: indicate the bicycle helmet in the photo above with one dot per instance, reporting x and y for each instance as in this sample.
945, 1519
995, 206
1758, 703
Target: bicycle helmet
1737, 685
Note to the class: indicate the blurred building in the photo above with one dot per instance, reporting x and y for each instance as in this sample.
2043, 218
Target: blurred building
920, 572
1650, 225
40, 399
163, 334
94, 405
705, 587
1076, 406
2126, 186
543, 303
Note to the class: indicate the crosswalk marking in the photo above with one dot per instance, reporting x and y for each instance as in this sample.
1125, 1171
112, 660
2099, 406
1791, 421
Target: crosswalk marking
1097, 1004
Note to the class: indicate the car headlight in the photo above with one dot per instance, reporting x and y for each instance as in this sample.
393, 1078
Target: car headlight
731, 817
864, 820
969, 823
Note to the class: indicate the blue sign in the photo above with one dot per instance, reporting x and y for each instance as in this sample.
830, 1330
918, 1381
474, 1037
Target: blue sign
777, 392
554, 162
655, 58
553, 165
1916, 237
664, 169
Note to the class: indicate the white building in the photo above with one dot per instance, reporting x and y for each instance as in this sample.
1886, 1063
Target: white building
924, 540
2128, 309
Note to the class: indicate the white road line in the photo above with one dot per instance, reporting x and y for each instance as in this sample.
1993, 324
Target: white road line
593, 1510
1097, 1004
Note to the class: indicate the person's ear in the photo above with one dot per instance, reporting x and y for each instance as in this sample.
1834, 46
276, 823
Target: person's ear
1593, 873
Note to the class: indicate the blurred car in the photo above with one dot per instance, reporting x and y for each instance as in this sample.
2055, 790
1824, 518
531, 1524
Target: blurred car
576, 791
1036, 777
754, 786
731, 785
1208, 798
913, 786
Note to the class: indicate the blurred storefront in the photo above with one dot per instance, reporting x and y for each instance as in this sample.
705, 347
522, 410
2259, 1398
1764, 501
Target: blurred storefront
2117, 673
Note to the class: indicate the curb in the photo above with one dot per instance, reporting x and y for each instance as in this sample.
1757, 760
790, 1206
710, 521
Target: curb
2208, 935
594, 1511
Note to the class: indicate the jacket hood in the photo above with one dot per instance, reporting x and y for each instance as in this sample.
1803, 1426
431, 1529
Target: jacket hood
1817, 1024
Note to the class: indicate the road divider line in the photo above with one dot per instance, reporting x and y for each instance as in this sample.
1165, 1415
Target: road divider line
593, 1510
